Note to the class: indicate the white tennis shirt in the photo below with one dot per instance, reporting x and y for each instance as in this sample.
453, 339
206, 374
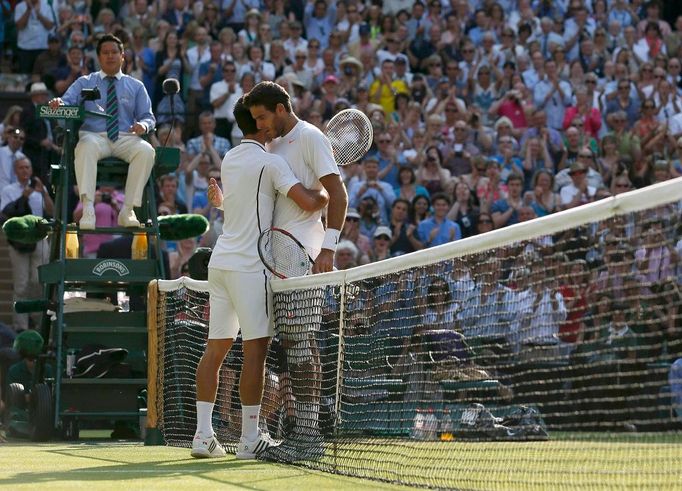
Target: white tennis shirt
251, 181
309, 154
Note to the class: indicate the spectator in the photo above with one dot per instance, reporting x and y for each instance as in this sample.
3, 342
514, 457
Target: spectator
404, 238
542, 197
346, 255
108, 202
579, 191
380, 191
408, 187
438, 229
585, 112
48, 61
421, 209
536, 157
628, 143
10, 122
383, 90
387, 157
223, 96
351, 232
539, 316
553, 95
624, 102
505, 210
440, 311
319, 20
168, 187
9, 154
34, 20
432, 175
573, 286
261, 70
369, 216
208, 141
488, 311
653, 258
380, 244
26, 196
463, 211
171, 62
484, 223
75, 66
295, 42
40, 146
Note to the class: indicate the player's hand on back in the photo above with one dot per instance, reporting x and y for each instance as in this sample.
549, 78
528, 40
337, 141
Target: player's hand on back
324, 262
215, 195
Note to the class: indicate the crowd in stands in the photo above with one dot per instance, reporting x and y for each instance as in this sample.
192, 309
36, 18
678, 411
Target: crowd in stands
485, 113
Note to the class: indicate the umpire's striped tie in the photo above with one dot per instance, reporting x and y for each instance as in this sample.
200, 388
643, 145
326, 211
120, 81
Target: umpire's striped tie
112, 110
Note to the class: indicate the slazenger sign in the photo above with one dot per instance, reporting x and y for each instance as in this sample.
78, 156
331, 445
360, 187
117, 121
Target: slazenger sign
110, 265
62, 112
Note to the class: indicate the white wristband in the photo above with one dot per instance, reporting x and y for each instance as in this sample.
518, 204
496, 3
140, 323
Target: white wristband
331, 239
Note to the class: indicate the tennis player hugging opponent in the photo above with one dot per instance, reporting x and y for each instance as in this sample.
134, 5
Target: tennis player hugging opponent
239, 292
309, 154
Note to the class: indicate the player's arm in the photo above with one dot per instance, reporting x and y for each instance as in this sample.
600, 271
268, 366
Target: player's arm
308, 199
336, 215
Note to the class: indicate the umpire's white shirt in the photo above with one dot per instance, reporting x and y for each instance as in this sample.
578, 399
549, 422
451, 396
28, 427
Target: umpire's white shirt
251, 179
309, 154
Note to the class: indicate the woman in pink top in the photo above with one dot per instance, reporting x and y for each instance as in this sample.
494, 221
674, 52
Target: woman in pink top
590, 116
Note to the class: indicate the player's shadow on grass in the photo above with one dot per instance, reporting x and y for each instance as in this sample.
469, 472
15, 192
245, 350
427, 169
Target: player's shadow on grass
162, 469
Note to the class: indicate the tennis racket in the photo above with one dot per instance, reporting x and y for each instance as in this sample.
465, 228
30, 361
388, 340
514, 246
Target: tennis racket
283, 254
350, 133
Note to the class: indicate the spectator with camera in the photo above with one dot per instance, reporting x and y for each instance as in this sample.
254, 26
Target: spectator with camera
26, 196
381, 192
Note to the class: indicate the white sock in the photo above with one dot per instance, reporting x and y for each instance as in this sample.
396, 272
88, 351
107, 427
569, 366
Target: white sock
250, 415
204, 418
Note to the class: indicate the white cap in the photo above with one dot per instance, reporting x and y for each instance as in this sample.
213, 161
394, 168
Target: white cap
382, 230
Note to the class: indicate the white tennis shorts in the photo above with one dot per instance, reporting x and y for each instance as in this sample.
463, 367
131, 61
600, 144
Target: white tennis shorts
240, 300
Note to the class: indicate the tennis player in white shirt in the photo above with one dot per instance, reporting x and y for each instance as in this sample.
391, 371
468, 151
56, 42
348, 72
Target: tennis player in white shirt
309, 154
240, 297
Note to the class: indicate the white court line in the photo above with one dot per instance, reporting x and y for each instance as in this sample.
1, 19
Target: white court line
145, 471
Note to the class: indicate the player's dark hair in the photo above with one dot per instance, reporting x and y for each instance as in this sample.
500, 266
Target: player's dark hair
109, 38
268, 94
243, 117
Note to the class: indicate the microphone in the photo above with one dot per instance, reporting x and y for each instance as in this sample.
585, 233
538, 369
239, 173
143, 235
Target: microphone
180, 227
171, 86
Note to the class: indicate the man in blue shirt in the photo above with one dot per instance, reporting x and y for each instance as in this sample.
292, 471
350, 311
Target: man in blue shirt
127, 103
553, 95
506, 211
437, 230
319, 20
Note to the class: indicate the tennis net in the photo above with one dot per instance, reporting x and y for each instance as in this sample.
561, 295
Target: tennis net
536, 355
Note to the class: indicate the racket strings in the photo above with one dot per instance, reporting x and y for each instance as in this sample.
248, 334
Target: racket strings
284, 256
350, 133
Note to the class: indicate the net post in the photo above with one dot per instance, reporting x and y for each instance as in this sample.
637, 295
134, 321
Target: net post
339, 369
153, 435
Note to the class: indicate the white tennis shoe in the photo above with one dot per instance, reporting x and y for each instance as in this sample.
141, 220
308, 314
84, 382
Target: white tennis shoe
247, 450
205, 448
